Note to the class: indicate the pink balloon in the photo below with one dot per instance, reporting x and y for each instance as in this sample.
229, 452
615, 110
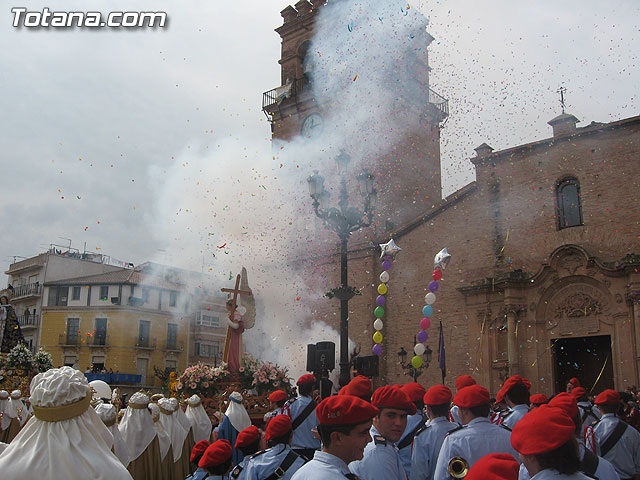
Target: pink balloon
425, 323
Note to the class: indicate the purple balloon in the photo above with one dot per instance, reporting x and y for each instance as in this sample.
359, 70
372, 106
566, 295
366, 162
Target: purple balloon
422, 336
381, 300
386, 265
377, 349
433, 286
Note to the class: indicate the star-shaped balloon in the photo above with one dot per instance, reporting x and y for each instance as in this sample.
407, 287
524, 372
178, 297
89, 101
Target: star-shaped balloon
389, 249
441, 259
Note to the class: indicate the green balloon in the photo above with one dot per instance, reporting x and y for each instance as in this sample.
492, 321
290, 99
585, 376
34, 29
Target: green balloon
416, 361
378, 312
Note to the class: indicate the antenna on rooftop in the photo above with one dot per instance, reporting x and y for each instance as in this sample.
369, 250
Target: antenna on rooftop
561, 91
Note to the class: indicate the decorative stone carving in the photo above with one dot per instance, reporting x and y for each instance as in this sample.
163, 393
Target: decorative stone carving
577, 310
571, 263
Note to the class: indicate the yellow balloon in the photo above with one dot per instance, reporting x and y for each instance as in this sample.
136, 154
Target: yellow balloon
416, 361
382, 289
377, 337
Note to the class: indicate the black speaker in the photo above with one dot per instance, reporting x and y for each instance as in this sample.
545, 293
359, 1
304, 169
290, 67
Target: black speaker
311, 357
325, 356
367, 365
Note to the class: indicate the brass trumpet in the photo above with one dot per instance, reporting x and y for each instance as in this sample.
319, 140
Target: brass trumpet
458, 467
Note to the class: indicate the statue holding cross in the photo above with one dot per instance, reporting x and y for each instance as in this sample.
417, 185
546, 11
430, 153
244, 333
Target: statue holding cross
239, 319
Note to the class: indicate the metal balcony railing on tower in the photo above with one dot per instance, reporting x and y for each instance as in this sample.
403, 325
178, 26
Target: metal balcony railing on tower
29, 321
30, 289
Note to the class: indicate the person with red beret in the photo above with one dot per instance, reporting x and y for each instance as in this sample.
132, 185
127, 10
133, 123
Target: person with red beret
380, 458
538, 399
196, 454
360, 386
588, 413
613, 439
516, 394
277, 400
590, 464
499, 409
478, 437
545, 441
495, 466
216, 460
303, 417
461, 382
415, 422
344, 422
279, 457
428, 440
248, 442
573, 383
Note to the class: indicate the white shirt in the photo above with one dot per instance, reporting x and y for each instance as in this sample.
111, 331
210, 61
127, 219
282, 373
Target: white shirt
515, 415
625, 455
426, 447
380, 460
324, 466
263, 465
478, 438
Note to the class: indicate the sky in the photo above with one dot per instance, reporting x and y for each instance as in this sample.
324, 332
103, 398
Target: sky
150, 144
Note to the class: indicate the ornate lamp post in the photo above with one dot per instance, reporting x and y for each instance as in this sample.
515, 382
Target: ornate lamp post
343, 220
410, 369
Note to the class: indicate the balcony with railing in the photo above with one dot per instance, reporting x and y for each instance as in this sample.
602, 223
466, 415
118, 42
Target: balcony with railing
145, 343
99, 341
28, 290
66, 340
29, 321
174, 346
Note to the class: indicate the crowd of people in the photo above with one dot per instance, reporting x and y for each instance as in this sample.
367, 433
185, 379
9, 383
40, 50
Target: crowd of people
397, 432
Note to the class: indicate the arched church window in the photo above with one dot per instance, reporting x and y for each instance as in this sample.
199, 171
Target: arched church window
306, 64
569, 207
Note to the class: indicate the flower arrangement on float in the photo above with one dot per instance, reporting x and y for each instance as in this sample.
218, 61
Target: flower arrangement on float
201, 379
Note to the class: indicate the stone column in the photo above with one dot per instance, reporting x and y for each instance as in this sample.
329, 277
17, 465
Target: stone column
512, 340
633, 297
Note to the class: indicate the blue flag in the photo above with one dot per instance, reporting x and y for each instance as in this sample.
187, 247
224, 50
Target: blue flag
442, 358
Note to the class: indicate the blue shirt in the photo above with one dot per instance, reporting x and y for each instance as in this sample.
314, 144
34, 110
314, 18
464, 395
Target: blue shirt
199, 474
426, 447
227, 432
324, 466
262, 465
515, 415
302, 436
380, 460
242, 474
625, 455
405, 453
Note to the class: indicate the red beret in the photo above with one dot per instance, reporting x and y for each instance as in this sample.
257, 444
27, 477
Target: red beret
608, 397
438, 395
360, 386
414, 391
542, 430
278, 396
538, 399
472, 396
197, 450
495, 466
464, 381
566, 402
499, 396
277, 427
575, 382
578, 392
306, 379
344, 410
392, 397
216, 454
513, 381
247, 436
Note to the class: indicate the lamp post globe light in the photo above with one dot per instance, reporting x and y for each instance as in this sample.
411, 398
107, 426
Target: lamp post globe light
343, 220
408, 368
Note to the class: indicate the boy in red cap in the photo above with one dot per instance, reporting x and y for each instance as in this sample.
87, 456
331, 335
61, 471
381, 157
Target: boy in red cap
538, 399
573, 383
278, 461
360, 386
216, 460
516, 394
344, 423
428, 440
196, 454
415, 422
588, 413
461, 382
303, 417
545, 443
478, 437
613, 439
381, 459
495, 466
248, 442
277, 400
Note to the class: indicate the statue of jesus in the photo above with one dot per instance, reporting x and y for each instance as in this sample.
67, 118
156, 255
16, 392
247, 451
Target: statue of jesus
240, 318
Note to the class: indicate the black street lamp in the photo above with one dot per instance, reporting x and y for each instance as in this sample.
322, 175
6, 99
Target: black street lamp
408, 368
343, 221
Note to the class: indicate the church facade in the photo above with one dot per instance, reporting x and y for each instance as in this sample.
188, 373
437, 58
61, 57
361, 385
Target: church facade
544, 278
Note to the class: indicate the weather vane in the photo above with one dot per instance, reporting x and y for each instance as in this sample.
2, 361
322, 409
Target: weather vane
561, 91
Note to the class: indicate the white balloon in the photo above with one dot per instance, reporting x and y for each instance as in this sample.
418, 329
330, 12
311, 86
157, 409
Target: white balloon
419, 348
430, 298
384, 277
378, 324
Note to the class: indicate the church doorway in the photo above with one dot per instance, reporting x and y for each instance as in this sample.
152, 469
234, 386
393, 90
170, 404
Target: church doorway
586, 358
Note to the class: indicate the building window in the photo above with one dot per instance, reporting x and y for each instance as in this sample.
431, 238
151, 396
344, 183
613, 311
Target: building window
568, 203
100, 336
145, 294
73, 329
205, 319
97, 364
75, 293
210, 350
58, 296
70, 360
104, 292
143, 333
171, 365
173, 299
172, 336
